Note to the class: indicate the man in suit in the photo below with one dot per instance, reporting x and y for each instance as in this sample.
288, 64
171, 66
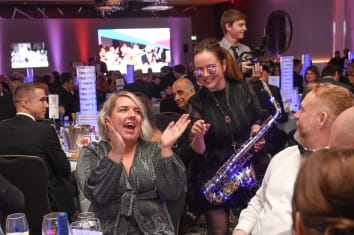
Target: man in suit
7, 108
182, 89
68, 99
26, 134
259, 87
276, 138
297, 78
141, 84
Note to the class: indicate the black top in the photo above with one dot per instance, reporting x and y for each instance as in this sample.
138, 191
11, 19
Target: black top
241, 113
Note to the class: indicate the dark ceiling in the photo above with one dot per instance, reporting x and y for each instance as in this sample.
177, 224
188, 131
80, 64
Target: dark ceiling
33, 9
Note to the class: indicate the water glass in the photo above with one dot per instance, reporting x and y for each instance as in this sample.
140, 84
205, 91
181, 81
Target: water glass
55, 223
90, 226
16, 224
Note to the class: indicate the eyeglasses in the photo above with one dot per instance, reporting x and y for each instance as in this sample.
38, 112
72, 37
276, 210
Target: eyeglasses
199, 72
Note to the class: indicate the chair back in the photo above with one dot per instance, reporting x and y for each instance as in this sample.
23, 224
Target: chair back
175, 209
164, 118
30, 175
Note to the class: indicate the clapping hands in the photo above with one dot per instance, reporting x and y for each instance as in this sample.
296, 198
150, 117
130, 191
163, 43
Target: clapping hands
174, 130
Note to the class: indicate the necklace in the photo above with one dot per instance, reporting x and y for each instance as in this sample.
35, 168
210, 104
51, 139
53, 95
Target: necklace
227, 101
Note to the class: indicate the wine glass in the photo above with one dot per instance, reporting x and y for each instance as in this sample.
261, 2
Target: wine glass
55, 223
16, 224
86, 215
91, 226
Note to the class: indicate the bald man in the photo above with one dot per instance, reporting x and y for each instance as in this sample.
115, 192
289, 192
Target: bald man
182, 89
342, 131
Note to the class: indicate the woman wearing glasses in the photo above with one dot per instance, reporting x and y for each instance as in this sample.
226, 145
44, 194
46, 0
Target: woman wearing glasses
222, 113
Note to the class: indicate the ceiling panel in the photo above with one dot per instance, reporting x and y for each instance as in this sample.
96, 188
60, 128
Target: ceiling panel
90, 2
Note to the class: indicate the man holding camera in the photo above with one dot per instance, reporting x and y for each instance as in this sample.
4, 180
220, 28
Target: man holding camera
233, 24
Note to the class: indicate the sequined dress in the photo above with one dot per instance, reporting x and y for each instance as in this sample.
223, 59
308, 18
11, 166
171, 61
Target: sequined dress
134, 204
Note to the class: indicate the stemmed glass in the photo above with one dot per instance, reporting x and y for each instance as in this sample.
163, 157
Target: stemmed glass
16, 224
55, 223
89, 226
86, 215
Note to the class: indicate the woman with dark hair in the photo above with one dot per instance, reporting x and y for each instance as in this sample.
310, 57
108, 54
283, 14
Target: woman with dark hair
324, 192
312, 75
222, 112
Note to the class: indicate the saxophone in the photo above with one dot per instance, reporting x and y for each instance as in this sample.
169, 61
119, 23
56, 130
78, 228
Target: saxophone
230, 175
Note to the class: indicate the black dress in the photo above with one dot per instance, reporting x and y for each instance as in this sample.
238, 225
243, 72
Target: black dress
231, 113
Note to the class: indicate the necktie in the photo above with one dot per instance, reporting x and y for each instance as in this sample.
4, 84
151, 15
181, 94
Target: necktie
234, 52
236, 57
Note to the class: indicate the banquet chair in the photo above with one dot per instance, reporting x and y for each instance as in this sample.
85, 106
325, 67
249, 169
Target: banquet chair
175, 209
30, 175
164, 118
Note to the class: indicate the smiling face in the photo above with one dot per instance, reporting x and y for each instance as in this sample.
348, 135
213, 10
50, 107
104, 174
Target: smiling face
209, 71
182, 92
127, 119
307, 119
236, 30
310, 76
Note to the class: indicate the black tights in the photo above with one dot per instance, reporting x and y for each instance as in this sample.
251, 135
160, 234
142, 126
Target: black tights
217, 221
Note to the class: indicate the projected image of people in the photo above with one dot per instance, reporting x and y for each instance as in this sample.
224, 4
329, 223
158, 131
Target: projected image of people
29, 55
143, 48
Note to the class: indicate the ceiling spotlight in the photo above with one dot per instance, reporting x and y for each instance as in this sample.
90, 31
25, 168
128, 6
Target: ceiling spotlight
157, 5
108, 6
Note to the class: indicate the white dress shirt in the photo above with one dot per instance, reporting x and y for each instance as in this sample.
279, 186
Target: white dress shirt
269, 211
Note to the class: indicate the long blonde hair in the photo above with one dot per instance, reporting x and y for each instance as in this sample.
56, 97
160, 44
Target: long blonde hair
108, 107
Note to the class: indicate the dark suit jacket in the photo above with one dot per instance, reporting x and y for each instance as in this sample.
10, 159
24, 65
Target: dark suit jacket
264, 100
169, 105
68, 100
22, 135
150, 89
298, 82
7, 107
